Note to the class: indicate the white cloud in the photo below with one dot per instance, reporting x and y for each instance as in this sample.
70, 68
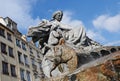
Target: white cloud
113, 43
19, 11
68, 19
95, 36
109, 23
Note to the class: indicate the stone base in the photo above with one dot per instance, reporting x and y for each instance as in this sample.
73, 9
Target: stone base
103, 69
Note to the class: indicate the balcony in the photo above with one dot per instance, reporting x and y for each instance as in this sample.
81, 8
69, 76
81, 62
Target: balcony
10, 39
32, 56
4, 51
31, 52
27, 65
11, 55
39, 59
5, 72
2, 35
21, 62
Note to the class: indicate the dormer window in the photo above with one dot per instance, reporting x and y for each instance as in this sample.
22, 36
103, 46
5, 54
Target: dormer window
9, 24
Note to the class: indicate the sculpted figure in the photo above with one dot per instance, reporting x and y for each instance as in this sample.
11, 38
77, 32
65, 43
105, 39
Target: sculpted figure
61, 58
49, 33
76, 37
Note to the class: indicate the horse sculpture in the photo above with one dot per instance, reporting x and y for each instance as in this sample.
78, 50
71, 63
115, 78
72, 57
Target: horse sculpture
63, 54
68, 47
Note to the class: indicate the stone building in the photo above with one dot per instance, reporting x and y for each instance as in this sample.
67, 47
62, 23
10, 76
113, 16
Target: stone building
20, 60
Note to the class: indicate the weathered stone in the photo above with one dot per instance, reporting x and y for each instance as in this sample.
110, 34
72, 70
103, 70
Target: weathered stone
106, 70
70, 55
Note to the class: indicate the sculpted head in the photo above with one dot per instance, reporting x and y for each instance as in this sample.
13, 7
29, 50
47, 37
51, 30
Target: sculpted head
58, 15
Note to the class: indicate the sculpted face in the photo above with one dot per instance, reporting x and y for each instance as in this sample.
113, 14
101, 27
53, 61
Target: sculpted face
58, 15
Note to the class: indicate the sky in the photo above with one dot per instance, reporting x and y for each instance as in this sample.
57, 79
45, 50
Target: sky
100, 18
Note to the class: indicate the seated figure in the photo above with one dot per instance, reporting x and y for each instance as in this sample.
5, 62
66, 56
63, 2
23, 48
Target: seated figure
75, 37
51, 32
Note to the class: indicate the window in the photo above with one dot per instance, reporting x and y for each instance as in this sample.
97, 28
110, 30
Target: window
10, 52
33, 61
40, 66
20, 57
9, 24
28, 76
31, 50
2, 32
18, 43
23, 46
33, 64
22, 75
38, 54
26, 60
9, 37
3, 48
13, 70
5, 68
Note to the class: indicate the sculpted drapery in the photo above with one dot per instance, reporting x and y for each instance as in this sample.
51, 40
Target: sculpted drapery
50, 32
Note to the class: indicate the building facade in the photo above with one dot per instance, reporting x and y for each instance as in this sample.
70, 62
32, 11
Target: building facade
20, 60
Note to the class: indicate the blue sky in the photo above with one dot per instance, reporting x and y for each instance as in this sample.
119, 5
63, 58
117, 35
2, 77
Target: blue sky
101, 18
